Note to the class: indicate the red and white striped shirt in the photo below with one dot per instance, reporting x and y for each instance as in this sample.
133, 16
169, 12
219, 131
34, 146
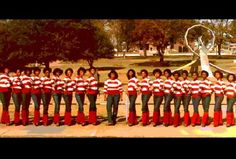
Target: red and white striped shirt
219, 87
5, 83
230, 90
112, 87
27, 82
145, 85
92, 87
36, 85
185, 84
132, 86
81, 85
16, 84
69, 86
58, 85
195, 89
178, 89
168, 89
47, 84
158, 87
206, 87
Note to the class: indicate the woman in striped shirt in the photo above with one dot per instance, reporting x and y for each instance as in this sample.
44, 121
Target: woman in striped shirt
206, 90
47, 83
230, 92
69, 87
81, 85
158, 92
196, 98
219, 87
178, 92
168, 96
145, 87
26, 93
57, 90
16, 95
36, 94
5, 95
132, 93
112, 94
92, 92
186, 97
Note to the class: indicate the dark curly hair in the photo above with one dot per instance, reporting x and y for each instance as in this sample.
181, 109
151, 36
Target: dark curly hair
37, 69
203, 71
168, 71
176, 72
81, 69
185, 71
47, 69
92, 68
26, 69
57, 70
131, 70
114, 72
217, 71
230, 74
145, 71
157, 71
68, 69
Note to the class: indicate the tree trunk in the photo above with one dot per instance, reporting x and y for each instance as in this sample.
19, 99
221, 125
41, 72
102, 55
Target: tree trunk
145, 51
90, 62
219, 49
47, 64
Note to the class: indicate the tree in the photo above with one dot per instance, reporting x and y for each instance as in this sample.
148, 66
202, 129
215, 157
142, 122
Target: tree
28, 41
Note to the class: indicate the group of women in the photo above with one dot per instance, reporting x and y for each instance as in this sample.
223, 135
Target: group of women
175, 87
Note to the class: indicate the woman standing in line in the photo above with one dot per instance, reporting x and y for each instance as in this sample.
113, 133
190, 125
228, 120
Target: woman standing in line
92, 92
158, 93
112, 94
57, 90
5, 95
16, 95
26, 93
47, 83
36, 94
145, 88
206, 87
132, 93
168, 96
69, 87
81, 85
230, 92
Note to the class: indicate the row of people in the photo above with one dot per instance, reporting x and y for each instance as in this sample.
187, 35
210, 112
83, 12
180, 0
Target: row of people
181, 90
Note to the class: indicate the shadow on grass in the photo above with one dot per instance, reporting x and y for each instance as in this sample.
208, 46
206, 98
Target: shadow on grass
109, 68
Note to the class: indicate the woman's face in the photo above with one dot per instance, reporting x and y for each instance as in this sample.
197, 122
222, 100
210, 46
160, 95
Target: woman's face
231, 78
113, 76
204, 75
217, 75
47, 73
6, 70
27, 73
92, 71
184, 75
37, 73
166, 74
176, 76
57, 73
81, 73
130, 74
157, 74
143, 74
18, 73
195, 76
69, 73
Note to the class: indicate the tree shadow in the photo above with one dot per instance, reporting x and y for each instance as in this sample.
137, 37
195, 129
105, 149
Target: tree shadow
109, 68
163, 64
